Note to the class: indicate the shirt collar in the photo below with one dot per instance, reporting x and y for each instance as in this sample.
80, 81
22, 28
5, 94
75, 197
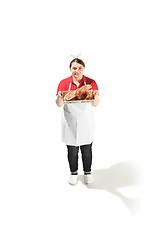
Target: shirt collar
82, 81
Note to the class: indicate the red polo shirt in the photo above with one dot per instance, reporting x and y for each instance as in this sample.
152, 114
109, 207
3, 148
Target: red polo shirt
64, 84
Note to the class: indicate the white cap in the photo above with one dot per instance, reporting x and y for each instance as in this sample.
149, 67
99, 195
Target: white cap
76, 56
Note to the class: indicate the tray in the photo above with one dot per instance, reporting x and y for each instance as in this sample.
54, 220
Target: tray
79, 101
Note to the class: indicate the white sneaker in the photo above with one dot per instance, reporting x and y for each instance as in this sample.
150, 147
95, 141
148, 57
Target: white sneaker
73, 179
88, 178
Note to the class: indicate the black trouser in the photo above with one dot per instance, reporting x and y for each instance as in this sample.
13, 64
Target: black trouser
86, 151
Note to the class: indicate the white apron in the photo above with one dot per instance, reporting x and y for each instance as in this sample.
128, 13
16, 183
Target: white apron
77, 123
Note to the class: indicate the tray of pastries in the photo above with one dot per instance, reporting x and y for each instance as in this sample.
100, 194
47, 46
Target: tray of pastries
83, 94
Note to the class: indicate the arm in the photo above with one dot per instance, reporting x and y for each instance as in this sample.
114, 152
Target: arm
59, 100
96, 102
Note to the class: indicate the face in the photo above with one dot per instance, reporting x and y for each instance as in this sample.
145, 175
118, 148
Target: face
77, 71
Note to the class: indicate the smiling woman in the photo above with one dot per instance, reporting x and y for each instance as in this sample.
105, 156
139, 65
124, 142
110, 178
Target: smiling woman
78, 120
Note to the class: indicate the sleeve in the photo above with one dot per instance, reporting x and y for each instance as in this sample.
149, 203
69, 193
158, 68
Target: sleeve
94, 85
60, 87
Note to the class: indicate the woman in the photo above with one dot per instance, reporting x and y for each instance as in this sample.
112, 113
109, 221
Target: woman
78, 121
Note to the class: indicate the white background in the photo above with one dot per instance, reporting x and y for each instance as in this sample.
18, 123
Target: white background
119, 42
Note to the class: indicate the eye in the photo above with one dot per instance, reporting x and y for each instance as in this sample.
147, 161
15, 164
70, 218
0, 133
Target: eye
74, 68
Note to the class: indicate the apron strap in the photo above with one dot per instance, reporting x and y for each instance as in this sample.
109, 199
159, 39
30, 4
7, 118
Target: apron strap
70, 86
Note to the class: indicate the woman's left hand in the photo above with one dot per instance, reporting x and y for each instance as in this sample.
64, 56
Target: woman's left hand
96, 101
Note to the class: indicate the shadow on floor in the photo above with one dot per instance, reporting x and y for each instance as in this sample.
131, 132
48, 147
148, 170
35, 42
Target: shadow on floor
123, 174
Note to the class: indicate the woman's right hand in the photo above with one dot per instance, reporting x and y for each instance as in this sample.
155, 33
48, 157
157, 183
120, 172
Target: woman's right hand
59, 100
